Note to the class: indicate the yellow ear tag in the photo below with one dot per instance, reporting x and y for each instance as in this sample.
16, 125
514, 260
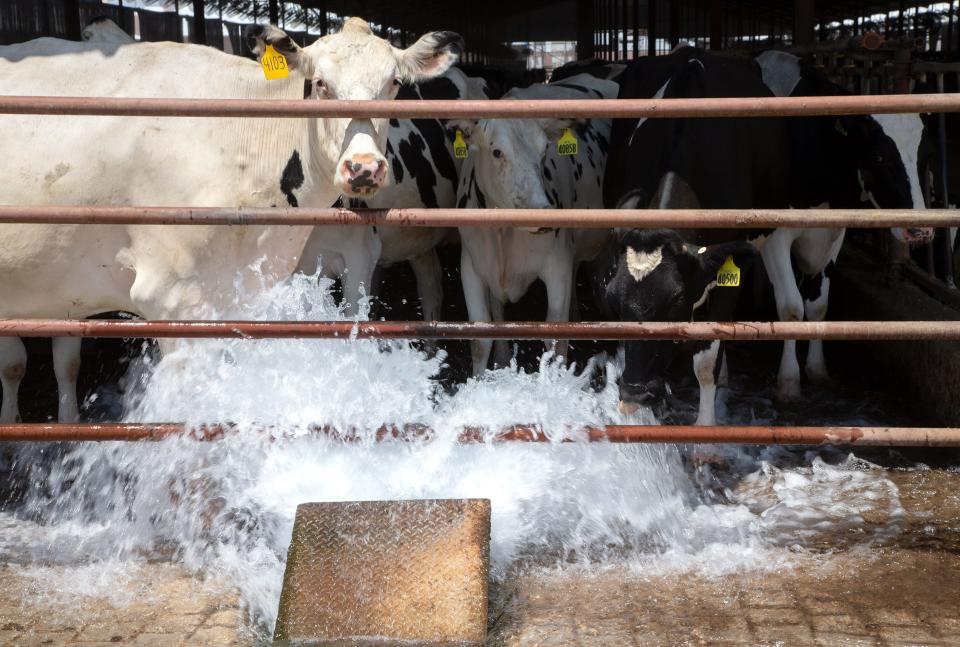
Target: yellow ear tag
459, 146
274, 64
567, 144
728, 276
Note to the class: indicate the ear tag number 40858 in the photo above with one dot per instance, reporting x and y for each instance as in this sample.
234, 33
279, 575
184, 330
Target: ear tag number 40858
728, 276
274, 64
567, 144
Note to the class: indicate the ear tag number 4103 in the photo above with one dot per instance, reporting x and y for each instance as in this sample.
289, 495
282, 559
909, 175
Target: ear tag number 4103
274, 64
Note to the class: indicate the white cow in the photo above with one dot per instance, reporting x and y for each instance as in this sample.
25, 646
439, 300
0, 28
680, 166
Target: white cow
423, 173
515, 163
67, 271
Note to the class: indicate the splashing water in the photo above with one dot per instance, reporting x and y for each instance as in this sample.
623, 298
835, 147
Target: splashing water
226, 508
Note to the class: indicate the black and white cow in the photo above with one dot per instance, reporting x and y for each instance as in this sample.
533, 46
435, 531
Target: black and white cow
740, 163
423, 173
516, 164
840, 162
654, 275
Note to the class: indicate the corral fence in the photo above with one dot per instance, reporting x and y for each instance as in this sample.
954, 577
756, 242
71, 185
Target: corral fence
186, 216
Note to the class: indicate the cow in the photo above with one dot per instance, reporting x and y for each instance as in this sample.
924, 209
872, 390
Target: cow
424, 172
842, 162
735, 163
157, 272
516, 164
103, 30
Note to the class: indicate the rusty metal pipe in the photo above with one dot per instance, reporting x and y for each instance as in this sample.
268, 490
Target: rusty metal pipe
512, 108
744, 435
526, 330
576, 218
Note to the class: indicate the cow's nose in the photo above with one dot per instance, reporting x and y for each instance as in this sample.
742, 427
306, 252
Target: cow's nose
364, 174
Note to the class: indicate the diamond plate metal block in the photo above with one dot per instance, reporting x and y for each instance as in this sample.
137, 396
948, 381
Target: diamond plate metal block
387, 572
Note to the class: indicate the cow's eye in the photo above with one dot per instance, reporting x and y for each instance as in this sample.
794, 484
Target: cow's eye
396, 83
879, 159
497, 153
320, 85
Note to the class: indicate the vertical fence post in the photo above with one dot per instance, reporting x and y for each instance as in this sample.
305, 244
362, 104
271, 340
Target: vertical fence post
199, 23
71, 14
716, 25
652, 27
585, 30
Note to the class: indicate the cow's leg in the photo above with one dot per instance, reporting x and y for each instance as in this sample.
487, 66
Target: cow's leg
724, 378
558, 278
66, 366
501, 347
816, 310
429, 275
13, 366
705, 367
478, 309
777, 262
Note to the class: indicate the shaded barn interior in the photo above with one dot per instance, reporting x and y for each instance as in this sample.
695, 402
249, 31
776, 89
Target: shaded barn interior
867, 47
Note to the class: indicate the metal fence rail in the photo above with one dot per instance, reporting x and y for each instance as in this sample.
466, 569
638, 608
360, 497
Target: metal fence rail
529, 330
539, 218
677, 219
744, 435
472, 109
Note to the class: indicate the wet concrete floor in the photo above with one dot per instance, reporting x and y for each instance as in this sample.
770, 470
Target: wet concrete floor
850, 585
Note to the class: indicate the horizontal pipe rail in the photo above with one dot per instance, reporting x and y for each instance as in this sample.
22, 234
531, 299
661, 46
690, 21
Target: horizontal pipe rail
746, 435
529, 330
539, 218
472, 109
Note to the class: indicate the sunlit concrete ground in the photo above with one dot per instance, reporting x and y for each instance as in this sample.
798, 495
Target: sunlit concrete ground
905, 591
902, 590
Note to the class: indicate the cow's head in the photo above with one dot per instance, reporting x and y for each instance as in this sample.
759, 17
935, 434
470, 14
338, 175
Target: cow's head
355, 64
508, 158
886, 150
659, 277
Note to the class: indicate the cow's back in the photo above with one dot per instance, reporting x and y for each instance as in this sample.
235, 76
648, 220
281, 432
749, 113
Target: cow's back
102, 160
728, 162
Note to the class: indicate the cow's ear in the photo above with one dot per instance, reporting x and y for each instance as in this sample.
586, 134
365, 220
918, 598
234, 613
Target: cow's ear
554, 128
467, 128
430, 56
259, 36
634, 199
711, 259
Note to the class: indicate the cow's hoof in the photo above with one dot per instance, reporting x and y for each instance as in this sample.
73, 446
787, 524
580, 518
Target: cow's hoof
788, 391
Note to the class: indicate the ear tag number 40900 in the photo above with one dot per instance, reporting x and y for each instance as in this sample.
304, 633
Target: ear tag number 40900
728, 276
567, 144
274, 64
